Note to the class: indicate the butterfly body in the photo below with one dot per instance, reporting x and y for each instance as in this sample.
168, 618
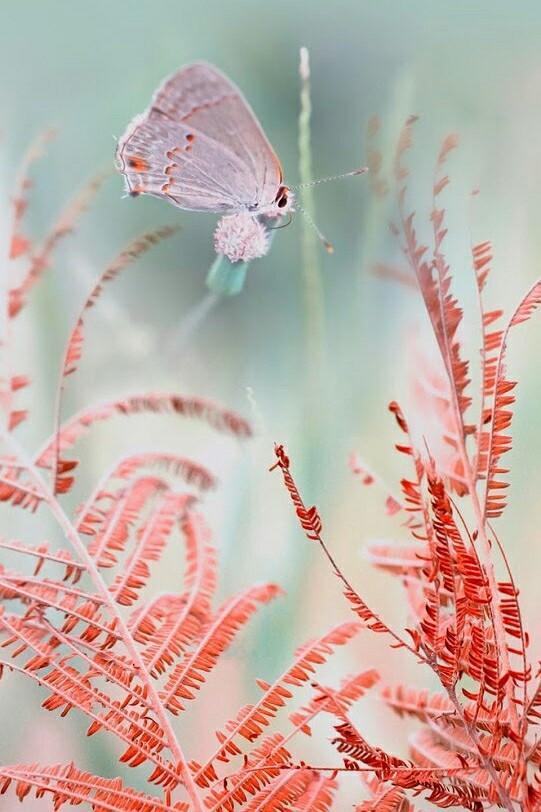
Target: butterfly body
200, 146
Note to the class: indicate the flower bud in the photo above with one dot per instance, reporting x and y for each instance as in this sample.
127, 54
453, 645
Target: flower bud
241, 238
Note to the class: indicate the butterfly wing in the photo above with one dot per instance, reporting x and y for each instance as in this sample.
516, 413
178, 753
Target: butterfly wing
200, 145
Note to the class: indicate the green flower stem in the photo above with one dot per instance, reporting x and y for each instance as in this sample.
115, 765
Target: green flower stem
226, 278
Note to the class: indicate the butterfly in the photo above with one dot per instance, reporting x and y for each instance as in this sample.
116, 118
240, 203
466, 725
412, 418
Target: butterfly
200, 146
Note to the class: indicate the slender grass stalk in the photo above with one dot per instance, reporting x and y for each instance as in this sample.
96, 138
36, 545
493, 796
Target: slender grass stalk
312, 281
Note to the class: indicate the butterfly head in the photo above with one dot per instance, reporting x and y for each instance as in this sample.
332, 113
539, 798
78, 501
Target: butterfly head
282, 204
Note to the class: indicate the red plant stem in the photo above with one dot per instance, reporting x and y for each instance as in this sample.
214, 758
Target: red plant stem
80, 548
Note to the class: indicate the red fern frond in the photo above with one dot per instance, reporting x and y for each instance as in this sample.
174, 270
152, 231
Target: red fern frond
418, 522
109, 516
42, 554
70, 688
170, 623
67, 784
254, 719
474, 780
176, 466
383, 798
264, 765
457, 740
369, 477
534, 704
130, 254
40, 259
437, 708
441, 784
19, 244
495, 441
155, 403
399, 559
349, 742
189, 675
528, 305
404, 143
334, 700
319, 795
311, 524
266, 761
151, 541
491, 345
427, 751
444, 312
74, 346
19, 495
284, 792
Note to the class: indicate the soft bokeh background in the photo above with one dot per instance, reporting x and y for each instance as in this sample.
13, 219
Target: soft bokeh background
88, 68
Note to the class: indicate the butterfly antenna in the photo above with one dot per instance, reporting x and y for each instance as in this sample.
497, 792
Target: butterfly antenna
329, 248
328, 245
360, 171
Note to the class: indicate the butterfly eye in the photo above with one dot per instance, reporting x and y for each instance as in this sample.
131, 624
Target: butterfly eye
281, 197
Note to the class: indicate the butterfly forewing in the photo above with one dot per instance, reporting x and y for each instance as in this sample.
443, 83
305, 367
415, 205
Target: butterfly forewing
200, 145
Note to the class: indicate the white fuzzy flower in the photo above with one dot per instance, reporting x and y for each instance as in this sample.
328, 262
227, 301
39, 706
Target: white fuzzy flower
241, 238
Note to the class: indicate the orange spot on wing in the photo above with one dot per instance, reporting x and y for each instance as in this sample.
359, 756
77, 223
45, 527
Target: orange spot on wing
190, 137
138, 164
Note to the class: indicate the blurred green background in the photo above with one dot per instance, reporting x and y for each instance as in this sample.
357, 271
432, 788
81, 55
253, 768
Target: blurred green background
87, 69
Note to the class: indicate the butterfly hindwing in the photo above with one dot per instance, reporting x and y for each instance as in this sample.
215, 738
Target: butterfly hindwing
200, 145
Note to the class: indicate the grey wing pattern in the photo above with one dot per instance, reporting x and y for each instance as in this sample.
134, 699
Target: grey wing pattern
200, 145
